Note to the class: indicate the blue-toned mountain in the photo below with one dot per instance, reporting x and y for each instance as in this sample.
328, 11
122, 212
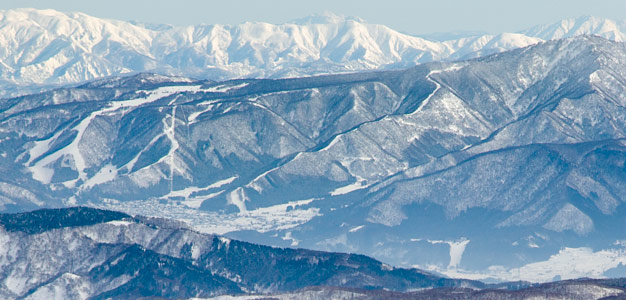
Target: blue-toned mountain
489, 164
98, 254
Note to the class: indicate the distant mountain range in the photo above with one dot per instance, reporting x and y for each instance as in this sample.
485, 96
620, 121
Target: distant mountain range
45, 48
510, 164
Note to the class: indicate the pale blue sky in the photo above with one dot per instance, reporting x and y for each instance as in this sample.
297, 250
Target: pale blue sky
414, 17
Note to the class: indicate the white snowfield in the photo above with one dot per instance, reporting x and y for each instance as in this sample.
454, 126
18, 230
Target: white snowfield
277, 217
51, 47
569, 263
40, 158
456, 250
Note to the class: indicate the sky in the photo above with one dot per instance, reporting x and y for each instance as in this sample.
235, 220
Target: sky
408, 16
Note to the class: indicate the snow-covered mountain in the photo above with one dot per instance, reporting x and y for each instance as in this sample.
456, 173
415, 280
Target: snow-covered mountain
84, 253
50, 47
45, 48
398, 165
585, 25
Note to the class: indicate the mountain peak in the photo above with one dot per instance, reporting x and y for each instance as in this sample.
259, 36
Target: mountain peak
326, 17
34, 13
79, 47
583, 25
211, 150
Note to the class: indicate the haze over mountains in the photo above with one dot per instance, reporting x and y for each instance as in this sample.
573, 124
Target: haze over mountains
486, 164
510, 165
83, 253
48, 48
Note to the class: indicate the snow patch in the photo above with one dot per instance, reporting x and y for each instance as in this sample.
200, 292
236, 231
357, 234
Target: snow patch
289, 237
456, 249
106, 174
568, 263
119, 223
355, 229
238, 198
361, 184
194, 115
16, 284
570, 218
277, 217
195, 251
224, 88
594, 78
225, 241
186, 192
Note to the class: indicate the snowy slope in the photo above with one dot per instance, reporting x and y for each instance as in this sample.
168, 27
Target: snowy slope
397, 164
84, 253
50, 47
45, 48
585, 25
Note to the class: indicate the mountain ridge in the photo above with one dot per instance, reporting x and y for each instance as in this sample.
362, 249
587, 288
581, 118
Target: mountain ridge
122, 257
116, 256
327, 162
47, 48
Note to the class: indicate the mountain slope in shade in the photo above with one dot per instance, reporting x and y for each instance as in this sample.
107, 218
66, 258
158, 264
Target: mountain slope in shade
99, 254
396, 164
45, 48
87, 253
